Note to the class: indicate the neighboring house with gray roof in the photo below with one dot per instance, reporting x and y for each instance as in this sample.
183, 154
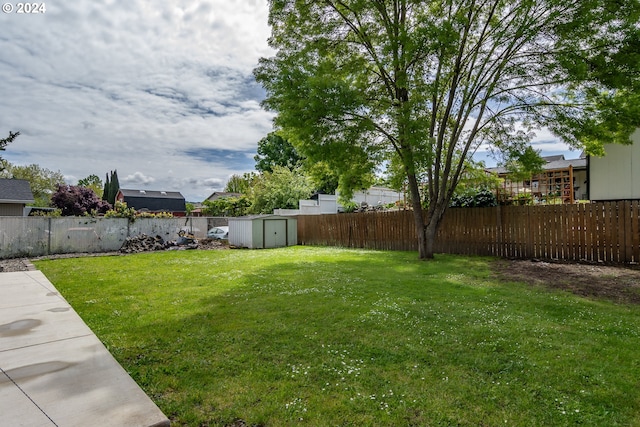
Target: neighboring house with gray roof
154, 201
222, 195
14, 196
561, 179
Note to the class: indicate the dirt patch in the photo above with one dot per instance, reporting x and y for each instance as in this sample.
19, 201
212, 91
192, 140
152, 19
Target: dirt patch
618, 284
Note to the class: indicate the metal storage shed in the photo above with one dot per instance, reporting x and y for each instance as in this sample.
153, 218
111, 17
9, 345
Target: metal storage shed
263, 231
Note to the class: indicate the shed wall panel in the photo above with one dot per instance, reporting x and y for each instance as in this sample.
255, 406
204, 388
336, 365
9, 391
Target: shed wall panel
250, 232
240, 233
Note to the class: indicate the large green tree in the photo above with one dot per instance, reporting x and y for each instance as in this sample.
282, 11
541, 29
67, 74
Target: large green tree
423, 83
111, 187
281, 188
241, 183
94, 183
274, 150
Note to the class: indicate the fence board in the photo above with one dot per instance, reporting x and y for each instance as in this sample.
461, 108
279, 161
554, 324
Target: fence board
605, 231
634, 232
580, 231
34, 236
604, 216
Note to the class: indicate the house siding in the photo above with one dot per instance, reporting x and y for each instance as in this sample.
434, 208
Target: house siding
616, 176
11, 209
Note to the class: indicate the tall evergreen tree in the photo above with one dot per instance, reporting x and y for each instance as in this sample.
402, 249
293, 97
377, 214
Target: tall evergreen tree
115, 186
107, 186
111, 187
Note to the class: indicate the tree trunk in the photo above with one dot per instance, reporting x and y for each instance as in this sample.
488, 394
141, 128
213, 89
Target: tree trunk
420, 232
418, 218
431, 226
430, 238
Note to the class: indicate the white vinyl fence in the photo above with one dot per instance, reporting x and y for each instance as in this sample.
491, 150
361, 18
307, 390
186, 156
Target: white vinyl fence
37, 236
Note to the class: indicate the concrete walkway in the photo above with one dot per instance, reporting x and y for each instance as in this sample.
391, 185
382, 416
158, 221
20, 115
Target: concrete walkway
54, 371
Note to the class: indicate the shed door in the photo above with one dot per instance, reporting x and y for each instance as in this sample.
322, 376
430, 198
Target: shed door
275, 233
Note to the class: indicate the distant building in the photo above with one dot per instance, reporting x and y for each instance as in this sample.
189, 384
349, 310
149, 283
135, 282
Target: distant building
221, 195
14, 196
560, 179
153, 201
319, 204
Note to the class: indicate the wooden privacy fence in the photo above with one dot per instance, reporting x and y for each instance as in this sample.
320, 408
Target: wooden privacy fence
597, 232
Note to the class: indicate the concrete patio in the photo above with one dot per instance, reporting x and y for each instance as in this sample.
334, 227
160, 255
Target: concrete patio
53, 369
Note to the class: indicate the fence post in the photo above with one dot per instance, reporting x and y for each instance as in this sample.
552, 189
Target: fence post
501, 251
49, 238
625, 233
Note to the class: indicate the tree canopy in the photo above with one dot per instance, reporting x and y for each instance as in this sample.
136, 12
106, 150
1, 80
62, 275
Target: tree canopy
423, 84
282, 188
111, 187
43, 182
240, 183
3, 145
227, 206
94, 183
273, 150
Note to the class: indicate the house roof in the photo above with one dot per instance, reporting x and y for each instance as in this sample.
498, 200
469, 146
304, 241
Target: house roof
169, 201
553, 163
222, 194
564, 164
553, 158
152, 194
15, 191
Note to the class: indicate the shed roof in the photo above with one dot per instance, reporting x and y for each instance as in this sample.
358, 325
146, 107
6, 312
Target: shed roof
15, 191
260, 216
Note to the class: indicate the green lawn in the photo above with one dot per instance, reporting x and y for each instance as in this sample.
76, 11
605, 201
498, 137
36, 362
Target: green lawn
337, 337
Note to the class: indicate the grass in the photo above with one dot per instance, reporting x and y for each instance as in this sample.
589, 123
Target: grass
325, 336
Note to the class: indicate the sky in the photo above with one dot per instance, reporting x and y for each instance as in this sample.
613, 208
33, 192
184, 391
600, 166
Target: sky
162, 92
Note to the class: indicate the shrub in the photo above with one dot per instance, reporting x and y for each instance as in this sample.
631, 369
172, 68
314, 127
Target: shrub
474, 197
120, 210
73, 200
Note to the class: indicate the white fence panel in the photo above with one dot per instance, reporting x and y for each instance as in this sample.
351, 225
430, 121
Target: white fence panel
23, 236
37, 236
77, 234
168, 228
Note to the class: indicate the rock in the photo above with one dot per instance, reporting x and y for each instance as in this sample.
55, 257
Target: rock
143, 243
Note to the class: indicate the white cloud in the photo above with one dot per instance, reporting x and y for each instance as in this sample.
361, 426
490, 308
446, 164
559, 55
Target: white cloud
136, 86
138, 178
